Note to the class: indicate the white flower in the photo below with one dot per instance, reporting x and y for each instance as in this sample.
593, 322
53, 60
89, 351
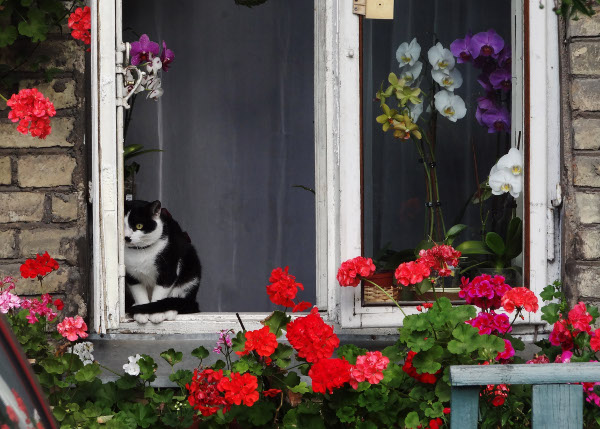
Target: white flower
449, 105
415, 110
449, 81
502, 181
83, 351
132, 368
411, 73
154, 66
440, 58
154, 85
512, 162
408, 54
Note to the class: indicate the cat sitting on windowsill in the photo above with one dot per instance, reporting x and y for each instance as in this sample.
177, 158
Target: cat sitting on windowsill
162, 267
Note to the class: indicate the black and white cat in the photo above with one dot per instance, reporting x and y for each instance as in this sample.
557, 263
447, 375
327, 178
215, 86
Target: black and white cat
162, 267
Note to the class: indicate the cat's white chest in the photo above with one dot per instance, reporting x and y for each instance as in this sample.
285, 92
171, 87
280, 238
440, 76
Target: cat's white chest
141, 263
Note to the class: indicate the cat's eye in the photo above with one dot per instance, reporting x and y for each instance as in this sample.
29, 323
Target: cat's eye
139, 226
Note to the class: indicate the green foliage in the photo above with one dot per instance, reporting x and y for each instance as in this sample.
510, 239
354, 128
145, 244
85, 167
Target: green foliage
32, 19
573, 8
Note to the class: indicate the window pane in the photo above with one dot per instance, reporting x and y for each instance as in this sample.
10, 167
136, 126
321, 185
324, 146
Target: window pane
400, 173
235, 125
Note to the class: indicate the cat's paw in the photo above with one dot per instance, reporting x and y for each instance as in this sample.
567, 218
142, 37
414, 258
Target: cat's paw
171, 314
158, 317
141, 318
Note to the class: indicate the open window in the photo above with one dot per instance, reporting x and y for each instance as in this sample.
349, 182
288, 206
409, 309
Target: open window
238, 135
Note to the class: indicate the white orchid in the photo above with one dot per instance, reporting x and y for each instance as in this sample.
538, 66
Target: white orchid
449, 81
512, 161
415, 111
154, 66
84, 352
411, 73
408, 54
450, 105
132, 368
441, 58
154, 85
502, 181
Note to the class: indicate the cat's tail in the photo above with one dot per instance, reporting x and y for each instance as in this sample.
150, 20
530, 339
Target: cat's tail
181, 305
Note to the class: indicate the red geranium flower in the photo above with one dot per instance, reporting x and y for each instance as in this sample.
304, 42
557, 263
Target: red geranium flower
484, 291
580, 318
283, 287
72, 327
59, 304
351, 271
436, 423
32, 111
203, 393
521, 298
38, 267
262, 341
369, 368
271, 393
80, 22
304, 305
595, 340
329, 374
410, 273
239, 388
312, 338
412, 371
439, 258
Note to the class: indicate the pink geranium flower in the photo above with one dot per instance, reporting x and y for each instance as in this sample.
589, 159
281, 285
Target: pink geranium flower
368, 368
72, 328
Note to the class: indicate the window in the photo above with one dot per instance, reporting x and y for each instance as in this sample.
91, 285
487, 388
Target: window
338, 162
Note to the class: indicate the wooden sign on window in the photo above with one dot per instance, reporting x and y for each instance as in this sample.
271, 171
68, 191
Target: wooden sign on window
374, 9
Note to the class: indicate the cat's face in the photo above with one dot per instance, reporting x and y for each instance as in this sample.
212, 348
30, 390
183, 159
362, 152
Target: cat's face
143, 226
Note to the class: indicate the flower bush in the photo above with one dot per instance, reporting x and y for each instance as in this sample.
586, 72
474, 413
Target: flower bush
312, 381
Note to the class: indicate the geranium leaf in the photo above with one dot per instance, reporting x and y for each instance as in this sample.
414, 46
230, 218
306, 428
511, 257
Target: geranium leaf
428, 360
277, 322
8, 35
53, 366
350, 352
550, 313
35, 27
302, 387
172, 357
239, 342
282, 355
548, 293
412, 420
88, 372
200, 352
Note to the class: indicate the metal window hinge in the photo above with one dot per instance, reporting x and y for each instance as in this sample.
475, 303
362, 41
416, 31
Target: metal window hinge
374, 9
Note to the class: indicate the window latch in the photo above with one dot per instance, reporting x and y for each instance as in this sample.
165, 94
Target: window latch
374, 9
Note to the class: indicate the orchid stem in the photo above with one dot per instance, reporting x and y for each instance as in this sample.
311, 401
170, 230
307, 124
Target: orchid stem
386, 294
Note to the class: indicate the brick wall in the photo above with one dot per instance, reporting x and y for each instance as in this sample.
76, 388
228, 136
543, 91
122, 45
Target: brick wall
580, 70
43, 182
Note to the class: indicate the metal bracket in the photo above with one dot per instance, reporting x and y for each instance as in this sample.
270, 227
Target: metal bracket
374, 9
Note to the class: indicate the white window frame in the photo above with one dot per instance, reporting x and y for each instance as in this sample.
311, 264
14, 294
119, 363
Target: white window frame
337, 173
543, 175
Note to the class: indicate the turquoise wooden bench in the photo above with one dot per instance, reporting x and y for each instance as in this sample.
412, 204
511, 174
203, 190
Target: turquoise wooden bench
555, 403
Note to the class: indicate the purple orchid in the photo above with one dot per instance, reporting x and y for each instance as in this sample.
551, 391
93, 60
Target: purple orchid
460, 49
166, 56
483, 105
496, 119
486, 44
484, 81
505, 57
143, 51
501, 79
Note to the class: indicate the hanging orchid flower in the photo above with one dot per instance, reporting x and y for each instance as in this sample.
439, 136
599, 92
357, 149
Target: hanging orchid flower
512, 161
483, 105
408, 54
154, 66
501, 79
449, 81
449, 105
411, 73
154, 85
143, 51
441, 58
166, 56
505, 57
460, 49
487, 44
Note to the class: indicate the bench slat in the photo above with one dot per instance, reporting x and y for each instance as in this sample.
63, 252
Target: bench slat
464, 403
550, 373
558, 406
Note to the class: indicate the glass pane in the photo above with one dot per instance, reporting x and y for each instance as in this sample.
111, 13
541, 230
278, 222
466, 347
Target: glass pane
450, 126
235, 124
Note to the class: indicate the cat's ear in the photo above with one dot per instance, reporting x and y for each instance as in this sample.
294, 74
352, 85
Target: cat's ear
155, 208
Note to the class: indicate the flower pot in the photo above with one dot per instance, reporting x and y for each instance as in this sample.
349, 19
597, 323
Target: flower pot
373, 295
